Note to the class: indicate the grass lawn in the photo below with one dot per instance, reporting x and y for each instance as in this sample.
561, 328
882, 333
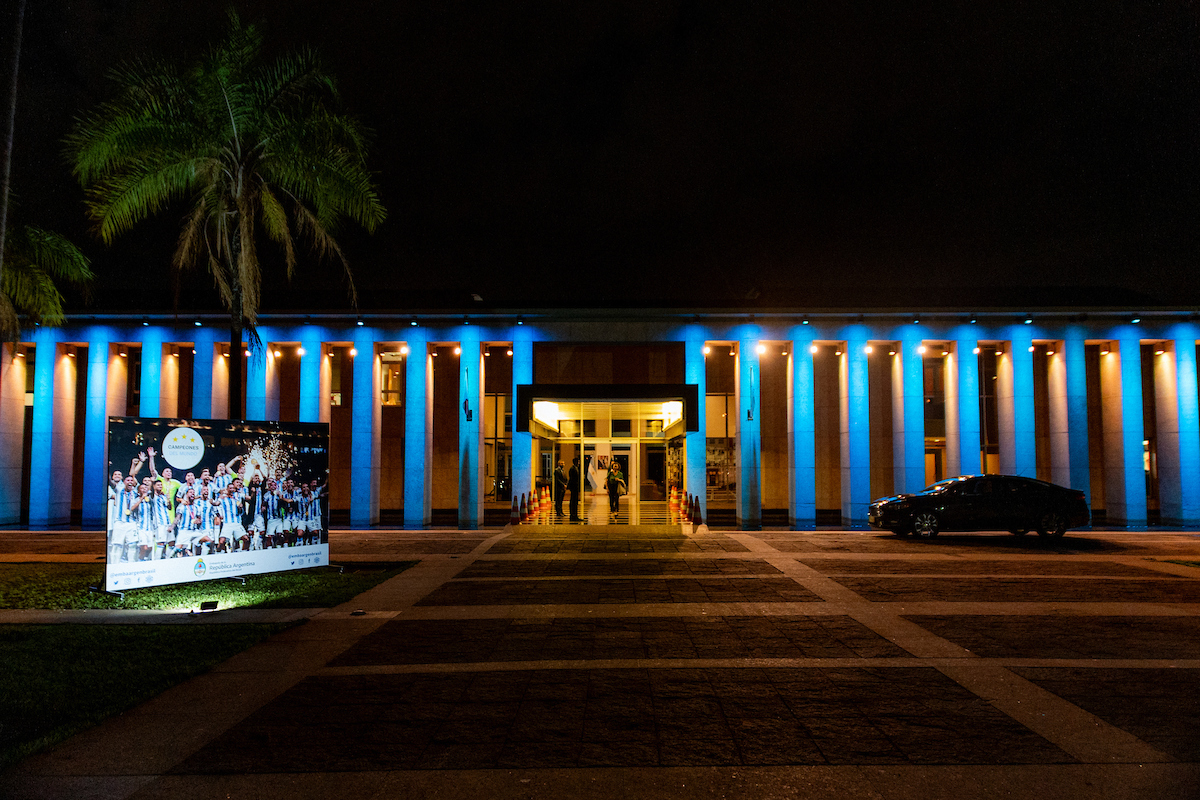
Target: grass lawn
58, 585
56, 680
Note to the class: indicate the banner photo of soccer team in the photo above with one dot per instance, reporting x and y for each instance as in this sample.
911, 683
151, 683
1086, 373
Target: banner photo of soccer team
193, 500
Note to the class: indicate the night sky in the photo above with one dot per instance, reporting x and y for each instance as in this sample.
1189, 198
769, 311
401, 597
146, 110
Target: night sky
766, 154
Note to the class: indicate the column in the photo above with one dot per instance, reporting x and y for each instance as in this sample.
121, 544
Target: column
12, 433
95, 445
152, 356
366, 416
749, 431
256, 377
1022, 447
856, 426
908, 423
966, 405
202, 374
1121, 389
802, 432
695, 472
168, 387
311, 364
522, 441
470, 429
53, 434
1074, 366
1184, 480
418, 431
271, 383
220, 382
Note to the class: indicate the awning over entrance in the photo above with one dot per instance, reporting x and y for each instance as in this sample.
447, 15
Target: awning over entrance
660, 393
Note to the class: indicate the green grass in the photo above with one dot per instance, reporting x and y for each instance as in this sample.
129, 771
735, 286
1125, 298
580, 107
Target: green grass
56, 680
65, 586
46, 697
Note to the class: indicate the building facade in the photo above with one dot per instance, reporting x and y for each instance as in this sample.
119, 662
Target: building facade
773, 418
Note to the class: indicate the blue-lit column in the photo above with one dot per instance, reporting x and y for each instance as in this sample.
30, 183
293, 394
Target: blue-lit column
749, 431
256, 378
1014, 398
12, 432
909, 425
418, 431
52, 440
152, 356
470, 430
856, 426
1179, 454
522, 441
966, 405
366, 418
695, 475
1121, 390
1078, 474
202, 374
312, 396
95, 430
802, 432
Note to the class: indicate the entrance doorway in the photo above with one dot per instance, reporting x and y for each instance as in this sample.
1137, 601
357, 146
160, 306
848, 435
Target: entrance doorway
635, 435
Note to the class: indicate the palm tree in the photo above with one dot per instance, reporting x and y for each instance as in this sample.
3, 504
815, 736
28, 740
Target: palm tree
253, 146
35, 262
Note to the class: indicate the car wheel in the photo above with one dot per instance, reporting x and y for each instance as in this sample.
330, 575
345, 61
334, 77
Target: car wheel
1052, 524
925, 524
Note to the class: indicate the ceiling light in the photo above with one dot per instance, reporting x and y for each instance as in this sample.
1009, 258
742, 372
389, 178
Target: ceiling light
813, 349
353, 352
868, 349
921, 349
707, 349
300, 351
509, 352
404, 350
762, 348
457, 350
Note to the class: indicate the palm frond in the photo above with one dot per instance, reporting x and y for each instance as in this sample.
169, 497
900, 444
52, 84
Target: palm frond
275, 223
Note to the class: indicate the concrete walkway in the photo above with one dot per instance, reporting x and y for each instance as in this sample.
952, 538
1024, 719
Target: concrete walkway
626, 662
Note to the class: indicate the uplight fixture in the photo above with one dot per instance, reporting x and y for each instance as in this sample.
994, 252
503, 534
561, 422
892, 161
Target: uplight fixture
921, 349
707, 349
868, 349
457, 351
813, 349
353, 352
404, 350
300, 351
762, 348
976, 351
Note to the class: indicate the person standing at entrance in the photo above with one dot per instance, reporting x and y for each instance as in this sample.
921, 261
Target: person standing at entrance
616, 486
573, 486
560, 488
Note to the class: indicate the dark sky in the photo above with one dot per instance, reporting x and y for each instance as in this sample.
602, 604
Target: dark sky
642, 153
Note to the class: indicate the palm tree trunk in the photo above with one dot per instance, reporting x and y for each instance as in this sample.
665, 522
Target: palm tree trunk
12, 124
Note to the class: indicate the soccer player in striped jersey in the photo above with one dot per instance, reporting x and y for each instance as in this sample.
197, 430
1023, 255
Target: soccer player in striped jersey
188, 522
225, 473
231, 530
146, 524
272, 512
160, 514
124, 533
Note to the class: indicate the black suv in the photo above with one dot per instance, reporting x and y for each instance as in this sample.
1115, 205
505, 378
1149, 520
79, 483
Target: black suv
982, 503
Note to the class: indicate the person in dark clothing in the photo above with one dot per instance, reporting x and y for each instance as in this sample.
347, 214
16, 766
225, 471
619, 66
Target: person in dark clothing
560, 488
616, 486
573, 486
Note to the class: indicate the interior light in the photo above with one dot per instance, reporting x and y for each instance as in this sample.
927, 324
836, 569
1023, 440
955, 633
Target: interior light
707, 349
973, 320
837, 352
813, 349
945, 352
353, 352
413, 323
784, 353
145, 323
198, 323
999, 352
1029, 320
360, 322
1105, 351
175, 354
21, 353
868, 349
224, 355
71, 353
1031, 348
762, 348
891, 352
916, 320
520, 321
1159, 352
976, 351
804, 321
732, 351
921, 349
278, 354
1049, 352
122, 353
457, 350
1135, 320
193, 352
300, 351
404, 350
509, 352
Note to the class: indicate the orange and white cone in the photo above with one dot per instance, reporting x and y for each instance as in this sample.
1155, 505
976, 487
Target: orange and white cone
515, 517
673, 502
524, 509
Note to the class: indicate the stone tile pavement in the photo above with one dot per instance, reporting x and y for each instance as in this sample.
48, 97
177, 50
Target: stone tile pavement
649, 663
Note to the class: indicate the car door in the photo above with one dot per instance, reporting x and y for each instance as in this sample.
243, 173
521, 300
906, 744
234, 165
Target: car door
982, 511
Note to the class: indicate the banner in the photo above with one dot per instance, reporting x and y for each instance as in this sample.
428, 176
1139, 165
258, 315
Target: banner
192, 500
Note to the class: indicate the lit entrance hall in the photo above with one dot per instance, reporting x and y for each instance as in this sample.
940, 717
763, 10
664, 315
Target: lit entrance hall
644, 439
795, 419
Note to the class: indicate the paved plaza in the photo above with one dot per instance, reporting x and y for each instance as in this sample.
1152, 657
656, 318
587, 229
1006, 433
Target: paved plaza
651, 661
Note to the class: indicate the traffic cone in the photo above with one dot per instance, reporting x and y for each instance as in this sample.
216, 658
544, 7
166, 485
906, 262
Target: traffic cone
673, 502
515, 517
697, 516
524, 509
541, 501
